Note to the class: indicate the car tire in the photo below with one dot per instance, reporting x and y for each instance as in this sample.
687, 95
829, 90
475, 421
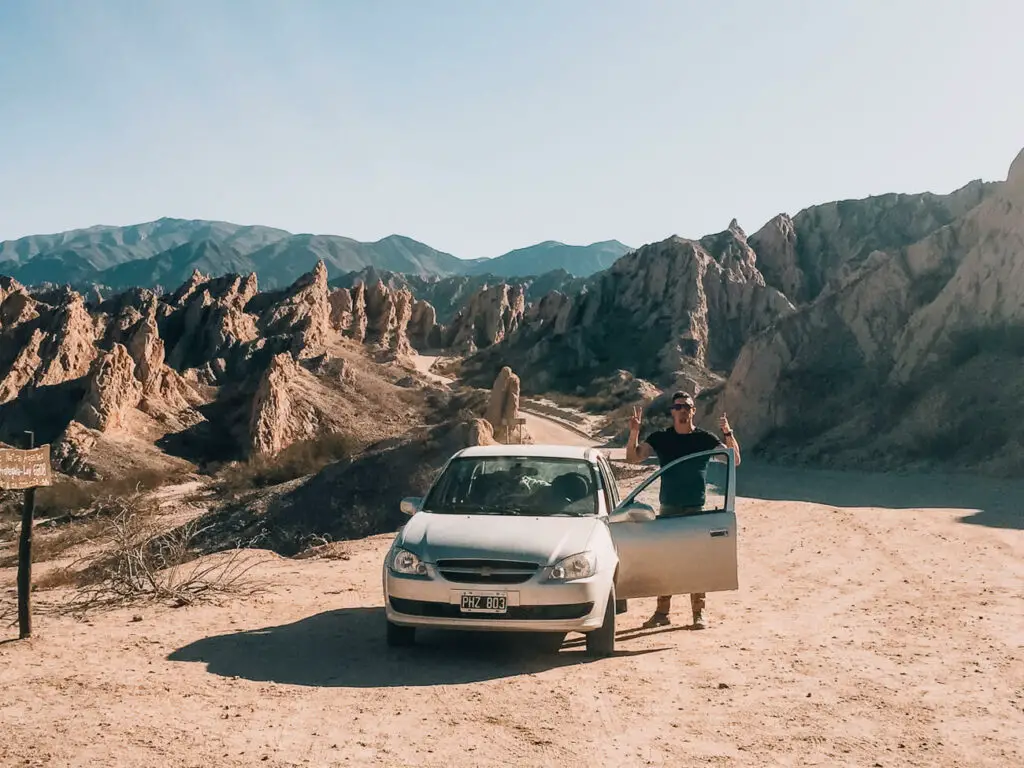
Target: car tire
399, 636
601, 641
621, 606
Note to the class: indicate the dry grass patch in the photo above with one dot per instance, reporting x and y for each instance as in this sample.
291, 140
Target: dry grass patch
68, 497
297, 460
322, 548
49, 546
56, 578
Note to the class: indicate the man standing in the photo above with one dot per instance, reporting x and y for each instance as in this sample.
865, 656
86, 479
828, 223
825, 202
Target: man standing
683, 487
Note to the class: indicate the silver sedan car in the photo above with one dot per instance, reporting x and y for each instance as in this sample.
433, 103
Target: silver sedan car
535, 538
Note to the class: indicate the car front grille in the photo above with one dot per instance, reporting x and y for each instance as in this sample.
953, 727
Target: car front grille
515, 612
486, 571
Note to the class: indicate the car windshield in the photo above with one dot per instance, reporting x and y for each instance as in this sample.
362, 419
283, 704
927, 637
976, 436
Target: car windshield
515, 485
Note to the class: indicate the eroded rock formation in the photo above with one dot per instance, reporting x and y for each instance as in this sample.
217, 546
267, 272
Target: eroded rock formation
900, 353
800, 255
214, 348
278, 420
304, 312
656, 312
113, 392
491, 315
503, 404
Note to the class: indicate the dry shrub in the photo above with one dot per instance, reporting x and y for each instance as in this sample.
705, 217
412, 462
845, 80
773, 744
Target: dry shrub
297, 460
8, 612
138, 563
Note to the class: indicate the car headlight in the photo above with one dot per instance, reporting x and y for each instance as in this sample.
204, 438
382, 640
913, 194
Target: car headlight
579, 566
406, 563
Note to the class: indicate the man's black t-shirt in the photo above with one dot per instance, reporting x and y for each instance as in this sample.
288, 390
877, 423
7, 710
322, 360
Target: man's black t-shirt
683, 485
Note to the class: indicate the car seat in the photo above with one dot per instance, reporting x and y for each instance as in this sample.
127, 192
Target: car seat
571, 486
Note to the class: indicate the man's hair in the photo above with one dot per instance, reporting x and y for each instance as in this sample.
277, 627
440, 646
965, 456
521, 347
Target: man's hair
681, 396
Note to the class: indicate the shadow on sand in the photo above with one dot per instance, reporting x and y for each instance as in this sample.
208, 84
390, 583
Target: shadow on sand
992, 502
346, 648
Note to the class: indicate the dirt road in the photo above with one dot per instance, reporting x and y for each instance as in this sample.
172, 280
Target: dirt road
880, 621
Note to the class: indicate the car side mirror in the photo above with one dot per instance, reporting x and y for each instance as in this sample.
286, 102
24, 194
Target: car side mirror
634, 512
410, 505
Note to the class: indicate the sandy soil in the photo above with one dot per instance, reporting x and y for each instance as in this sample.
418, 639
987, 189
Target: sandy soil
880, 621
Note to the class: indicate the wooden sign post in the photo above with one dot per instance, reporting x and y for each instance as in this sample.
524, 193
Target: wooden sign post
25, 470
518, 423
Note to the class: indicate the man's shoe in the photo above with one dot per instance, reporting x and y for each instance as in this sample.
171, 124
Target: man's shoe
657, 620
698, 621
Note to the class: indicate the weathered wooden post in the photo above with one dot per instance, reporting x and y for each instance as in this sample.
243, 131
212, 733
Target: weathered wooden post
25, 470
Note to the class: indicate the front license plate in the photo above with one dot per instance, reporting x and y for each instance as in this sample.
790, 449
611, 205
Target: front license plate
484, 603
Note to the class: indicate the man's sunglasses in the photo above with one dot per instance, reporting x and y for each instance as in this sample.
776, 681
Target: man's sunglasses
681, 407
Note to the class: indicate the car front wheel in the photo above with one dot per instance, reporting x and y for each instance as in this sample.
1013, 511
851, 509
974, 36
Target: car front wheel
399, 636
601, 641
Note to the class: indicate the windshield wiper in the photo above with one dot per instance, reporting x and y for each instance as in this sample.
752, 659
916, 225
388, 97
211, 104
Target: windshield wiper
480, 509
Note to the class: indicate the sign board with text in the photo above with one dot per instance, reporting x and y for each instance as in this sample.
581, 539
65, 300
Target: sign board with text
20, 469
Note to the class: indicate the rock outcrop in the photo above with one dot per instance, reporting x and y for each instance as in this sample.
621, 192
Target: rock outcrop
450, 295
341, 309
207, 319
277, 420
70, 452
424, 332
69, 348
304, 313
387, 318
491, 315
113, 392
503, 406
901, 357
800, 255
656, 312
210, 370
24, 368
16, 305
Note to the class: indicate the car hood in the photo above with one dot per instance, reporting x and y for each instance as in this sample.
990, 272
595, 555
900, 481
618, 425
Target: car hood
544, 540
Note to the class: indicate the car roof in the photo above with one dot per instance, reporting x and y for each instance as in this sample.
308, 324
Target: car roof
543, 450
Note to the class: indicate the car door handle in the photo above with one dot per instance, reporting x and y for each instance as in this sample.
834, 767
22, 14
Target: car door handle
720, 532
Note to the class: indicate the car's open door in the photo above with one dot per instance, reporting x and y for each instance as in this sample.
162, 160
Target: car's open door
685, 554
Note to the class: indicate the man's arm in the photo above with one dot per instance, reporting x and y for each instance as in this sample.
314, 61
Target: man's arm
729, 437
731, 442
637, 452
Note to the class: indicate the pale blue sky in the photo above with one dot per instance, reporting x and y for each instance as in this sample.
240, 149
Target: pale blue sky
478, 126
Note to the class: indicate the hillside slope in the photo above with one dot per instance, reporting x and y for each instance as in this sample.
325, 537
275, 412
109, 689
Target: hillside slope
577, 260
103, 247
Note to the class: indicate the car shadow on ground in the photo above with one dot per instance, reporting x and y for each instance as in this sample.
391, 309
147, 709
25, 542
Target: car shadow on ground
346, 648
625, 635
992, 502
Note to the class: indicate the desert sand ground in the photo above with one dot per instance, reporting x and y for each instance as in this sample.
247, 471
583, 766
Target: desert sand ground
880, 621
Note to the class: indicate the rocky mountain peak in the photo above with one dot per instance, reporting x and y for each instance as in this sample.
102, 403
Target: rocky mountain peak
1015, 176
